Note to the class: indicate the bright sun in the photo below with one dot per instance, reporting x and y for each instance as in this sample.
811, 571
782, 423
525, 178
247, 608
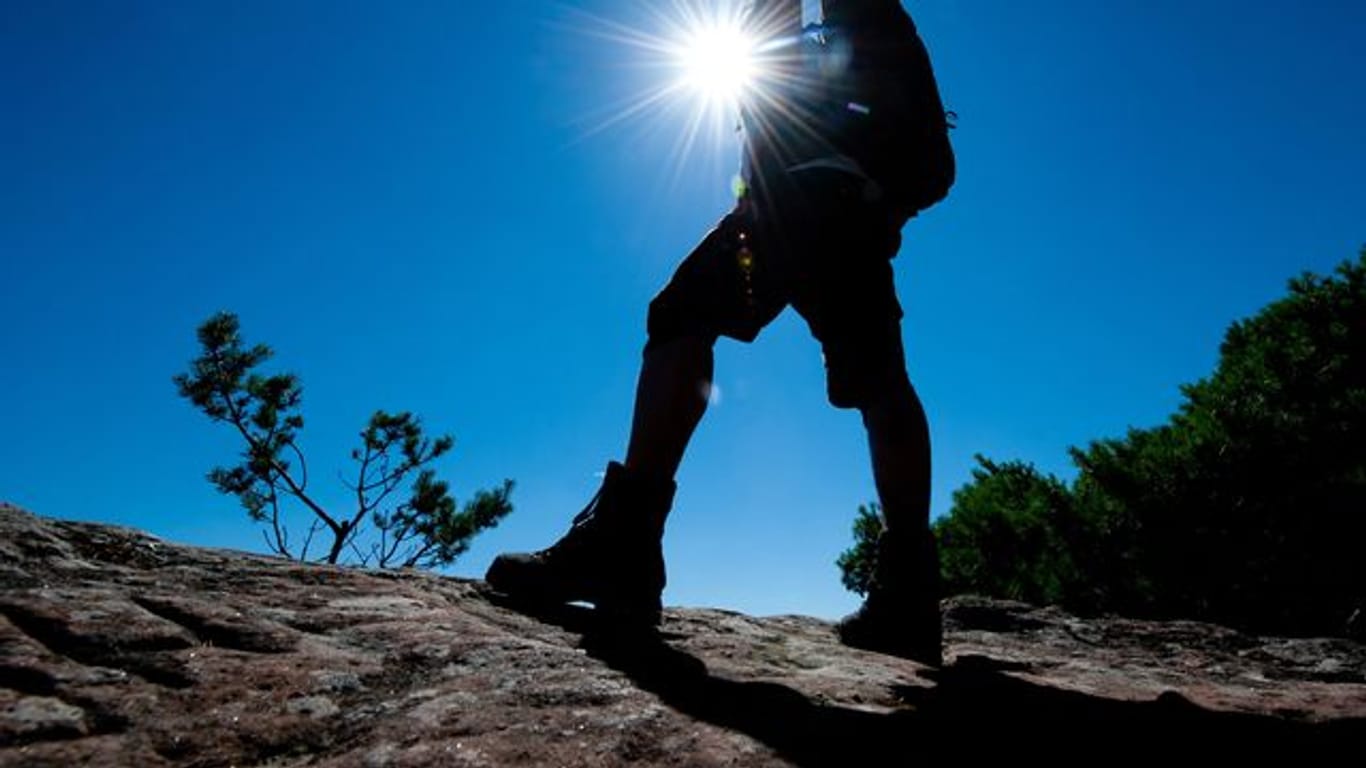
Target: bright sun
718, 60
718, 57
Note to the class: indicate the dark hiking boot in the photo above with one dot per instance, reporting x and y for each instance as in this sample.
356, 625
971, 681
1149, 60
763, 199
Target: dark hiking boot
901, 615
611, 557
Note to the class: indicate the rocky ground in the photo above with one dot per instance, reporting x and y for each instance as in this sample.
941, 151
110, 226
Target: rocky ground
117, 648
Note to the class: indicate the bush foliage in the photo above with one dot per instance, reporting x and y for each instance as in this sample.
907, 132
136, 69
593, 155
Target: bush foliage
1248, 506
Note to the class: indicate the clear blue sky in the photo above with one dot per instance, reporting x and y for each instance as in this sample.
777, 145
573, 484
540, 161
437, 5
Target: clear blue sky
408, 202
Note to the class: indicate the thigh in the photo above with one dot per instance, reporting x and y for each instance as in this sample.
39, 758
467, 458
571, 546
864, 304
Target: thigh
857, 320
722, 288
843, 286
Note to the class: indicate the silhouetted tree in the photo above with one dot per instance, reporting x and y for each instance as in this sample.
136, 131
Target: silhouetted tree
1012, 533
1247, 507
423, 529
856, 563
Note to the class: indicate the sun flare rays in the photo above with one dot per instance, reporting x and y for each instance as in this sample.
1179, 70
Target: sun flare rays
707, 60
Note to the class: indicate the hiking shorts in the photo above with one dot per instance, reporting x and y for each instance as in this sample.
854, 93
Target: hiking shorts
819, 246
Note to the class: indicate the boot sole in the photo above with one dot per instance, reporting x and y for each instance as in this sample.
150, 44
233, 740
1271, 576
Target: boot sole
533, 594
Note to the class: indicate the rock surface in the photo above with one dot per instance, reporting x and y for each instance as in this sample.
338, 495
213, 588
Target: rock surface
117, 648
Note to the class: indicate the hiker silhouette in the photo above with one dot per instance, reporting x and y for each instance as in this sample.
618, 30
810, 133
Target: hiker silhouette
850, 143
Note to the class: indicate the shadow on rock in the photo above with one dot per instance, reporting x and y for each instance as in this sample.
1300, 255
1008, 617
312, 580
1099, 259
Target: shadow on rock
974, 704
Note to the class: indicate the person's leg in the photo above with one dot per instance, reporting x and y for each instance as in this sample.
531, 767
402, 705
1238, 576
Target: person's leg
710, 295
899, 446
851, 305
671, 397
612, 555
901, 613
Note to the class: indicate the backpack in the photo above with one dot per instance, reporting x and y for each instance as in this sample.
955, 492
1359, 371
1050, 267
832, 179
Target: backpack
873, 95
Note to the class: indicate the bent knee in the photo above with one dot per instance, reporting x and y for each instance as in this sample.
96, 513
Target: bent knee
867, 386
666, 324
865, 369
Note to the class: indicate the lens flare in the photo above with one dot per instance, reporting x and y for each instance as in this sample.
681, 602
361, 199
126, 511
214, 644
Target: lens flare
718, 60
710, 61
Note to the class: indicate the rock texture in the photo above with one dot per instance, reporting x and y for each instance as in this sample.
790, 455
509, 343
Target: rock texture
117, 648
